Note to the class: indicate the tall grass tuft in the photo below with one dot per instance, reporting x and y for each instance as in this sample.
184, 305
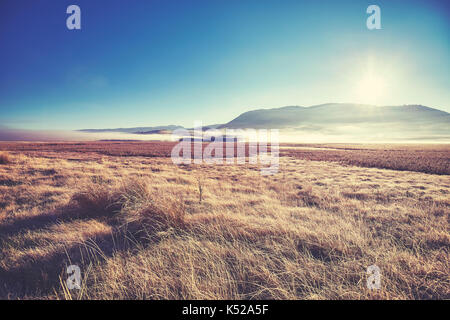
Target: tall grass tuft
5, 158
96, 200
149, 210
134, 205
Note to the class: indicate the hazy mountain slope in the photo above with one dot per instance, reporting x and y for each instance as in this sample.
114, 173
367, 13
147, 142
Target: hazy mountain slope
267, 118
332, 120
338, 114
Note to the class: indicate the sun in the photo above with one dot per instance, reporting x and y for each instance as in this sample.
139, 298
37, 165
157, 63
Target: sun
371, 88
372, 80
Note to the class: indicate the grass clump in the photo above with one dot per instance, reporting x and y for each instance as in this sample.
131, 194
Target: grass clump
133, 204
148, 210
5, 158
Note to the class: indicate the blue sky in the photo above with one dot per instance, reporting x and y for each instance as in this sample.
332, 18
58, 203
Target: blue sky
145, 63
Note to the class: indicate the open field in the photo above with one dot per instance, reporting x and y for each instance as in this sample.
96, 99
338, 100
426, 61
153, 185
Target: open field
420, 158
140, 227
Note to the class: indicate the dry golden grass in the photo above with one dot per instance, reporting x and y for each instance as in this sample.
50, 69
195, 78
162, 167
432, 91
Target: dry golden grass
143, 228
4, 158
433, 159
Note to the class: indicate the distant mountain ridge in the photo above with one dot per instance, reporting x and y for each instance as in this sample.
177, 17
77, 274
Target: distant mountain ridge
327, 118
142, 130
336, 113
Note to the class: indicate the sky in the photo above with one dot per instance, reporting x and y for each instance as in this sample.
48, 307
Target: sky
148, 63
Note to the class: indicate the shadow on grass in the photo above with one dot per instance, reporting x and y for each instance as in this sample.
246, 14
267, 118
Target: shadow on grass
37, 222
40, 278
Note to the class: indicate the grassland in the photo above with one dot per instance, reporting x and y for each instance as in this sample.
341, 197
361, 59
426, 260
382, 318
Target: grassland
140, 227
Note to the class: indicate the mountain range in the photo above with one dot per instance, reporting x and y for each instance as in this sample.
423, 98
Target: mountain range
335, 113
329, 118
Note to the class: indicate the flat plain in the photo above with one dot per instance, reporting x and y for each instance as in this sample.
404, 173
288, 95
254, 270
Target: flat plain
140, 227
